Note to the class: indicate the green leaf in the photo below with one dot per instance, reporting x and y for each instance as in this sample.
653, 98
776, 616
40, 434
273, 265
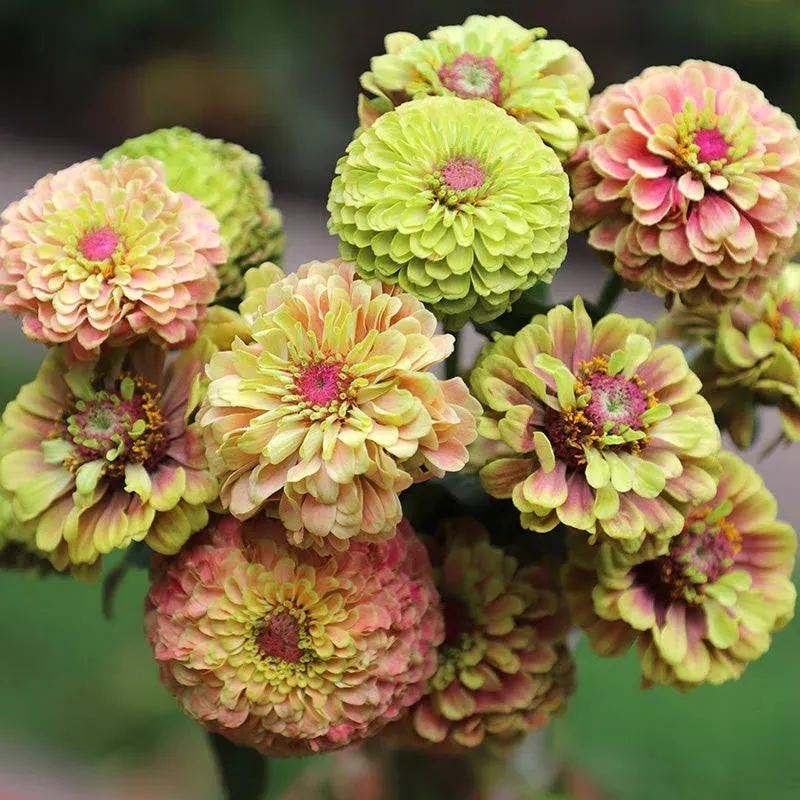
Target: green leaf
244, 772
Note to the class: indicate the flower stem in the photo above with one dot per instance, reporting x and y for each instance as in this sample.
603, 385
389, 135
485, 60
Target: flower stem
451, 369
609, 295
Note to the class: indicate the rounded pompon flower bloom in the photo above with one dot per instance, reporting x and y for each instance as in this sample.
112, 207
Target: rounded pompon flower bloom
288, 652
227, 180
456, 203
543, 83
690, 181
96, 256
610, 434
748, 355
331, 410
702, 605
503, 667
101, 455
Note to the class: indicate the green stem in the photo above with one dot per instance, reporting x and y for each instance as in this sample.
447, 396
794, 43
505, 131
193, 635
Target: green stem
451, 365
609, 295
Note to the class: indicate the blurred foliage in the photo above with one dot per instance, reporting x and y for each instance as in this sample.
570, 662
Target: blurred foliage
282, 78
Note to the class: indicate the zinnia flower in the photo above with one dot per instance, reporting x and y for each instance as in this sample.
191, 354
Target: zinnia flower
227, 180
611, 434
543, 83
456, 203
691, 181
702, 605
97, 255
749, 355
98, 456
503, 667
331, 411
288, 652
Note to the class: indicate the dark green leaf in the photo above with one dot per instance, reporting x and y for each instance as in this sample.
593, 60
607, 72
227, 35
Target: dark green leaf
244, 772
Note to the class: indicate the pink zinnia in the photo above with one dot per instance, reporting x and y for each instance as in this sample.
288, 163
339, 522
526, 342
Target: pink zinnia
95, 256
691, 181
288, 652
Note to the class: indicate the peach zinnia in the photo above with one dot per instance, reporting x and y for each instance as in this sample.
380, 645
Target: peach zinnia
95, 256
691, 181
289, 652
331, 410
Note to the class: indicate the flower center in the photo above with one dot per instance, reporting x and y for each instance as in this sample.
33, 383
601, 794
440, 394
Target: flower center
701, 555
615, 400
711, 144
459, 180
120, 426
460, 174
321, 383
99, 245
470, 76
608, 414
457, 622
280, 638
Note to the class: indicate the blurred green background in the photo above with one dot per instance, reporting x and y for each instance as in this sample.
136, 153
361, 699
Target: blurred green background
82, 714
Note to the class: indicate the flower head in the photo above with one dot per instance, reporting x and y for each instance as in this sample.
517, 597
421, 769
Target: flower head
749, 355
98, 456
331, 411
691, 181
543, 83
453, 201
288, 652
701, 605
610, 434
96, 256
227, 180
503, 668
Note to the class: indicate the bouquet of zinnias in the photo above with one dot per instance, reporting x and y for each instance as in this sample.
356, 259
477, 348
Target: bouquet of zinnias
341, 542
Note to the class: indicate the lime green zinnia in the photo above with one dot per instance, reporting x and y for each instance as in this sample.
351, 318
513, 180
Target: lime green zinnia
749, 356
227, 180
610, 435
702, 605
543, 83
456, 203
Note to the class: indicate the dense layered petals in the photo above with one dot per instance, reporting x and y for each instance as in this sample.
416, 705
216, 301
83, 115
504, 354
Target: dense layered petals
609, 433
543, 83
288, 652
330, 410
691, 181
503, 667
702, 605
455, 202
748, 356
95, 256
227, 180
95, 457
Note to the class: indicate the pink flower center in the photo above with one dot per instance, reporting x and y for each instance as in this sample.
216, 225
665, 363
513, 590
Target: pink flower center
321, 383
712, 145
119, 426
460, 174
617, 400
469, 76
610, 405
280, 638
99, 245
701, 555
